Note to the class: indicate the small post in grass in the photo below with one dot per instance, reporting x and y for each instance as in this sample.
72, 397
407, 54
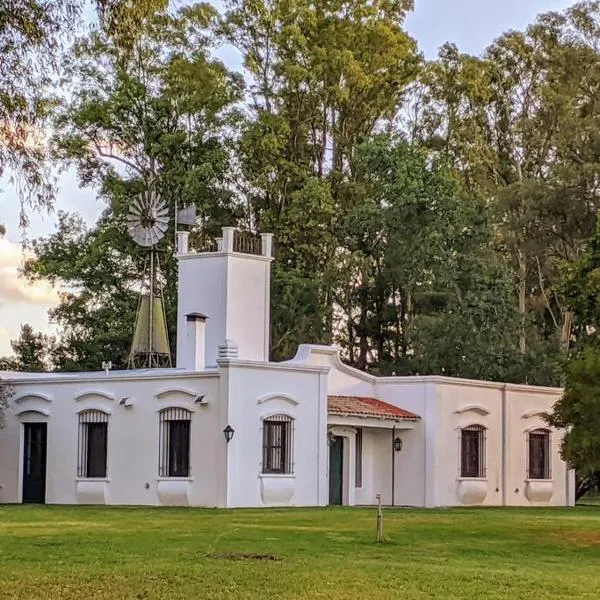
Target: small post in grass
379, 519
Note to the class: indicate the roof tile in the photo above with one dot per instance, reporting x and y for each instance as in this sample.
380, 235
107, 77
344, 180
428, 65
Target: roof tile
364, 406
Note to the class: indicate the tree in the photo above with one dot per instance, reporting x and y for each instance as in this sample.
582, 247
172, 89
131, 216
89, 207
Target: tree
32, 37
5, 394
427, 294
578, 411
32, 351
159, 115
520, 124
323, 76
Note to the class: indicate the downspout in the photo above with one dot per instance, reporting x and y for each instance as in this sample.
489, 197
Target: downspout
393, 465
319, 442
504, 430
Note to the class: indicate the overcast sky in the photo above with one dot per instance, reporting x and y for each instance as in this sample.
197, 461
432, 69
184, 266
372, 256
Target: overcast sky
471, 24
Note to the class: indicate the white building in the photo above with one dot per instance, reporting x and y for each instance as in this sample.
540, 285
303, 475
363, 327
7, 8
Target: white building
228, 428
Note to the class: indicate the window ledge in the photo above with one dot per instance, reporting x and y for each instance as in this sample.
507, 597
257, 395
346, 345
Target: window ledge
93, 479
174, 479
471, 479
545, 480
277, 475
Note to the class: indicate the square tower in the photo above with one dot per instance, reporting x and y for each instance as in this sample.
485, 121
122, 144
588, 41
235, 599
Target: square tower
231, 285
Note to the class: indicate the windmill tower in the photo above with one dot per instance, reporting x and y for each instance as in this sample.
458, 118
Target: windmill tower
147, 223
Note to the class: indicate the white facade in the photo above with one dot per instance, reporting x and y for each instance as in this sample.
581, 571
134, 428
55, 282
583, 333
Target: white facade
467, 442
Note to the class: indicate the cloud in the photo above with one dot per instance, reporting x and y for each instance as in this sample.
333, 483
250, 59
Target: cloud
16, 289
20, 301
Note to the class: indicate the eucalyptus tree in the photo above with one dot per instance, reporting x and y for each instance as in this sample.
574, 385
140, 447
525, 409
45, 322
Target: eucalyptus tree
161, 112
521, 124
33, 33
322, 77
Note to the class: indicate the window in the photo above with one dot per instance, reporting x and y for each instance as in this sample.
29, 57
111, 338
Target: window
539, 454
92, 444
278, 444
174, 443
358, 461
472, 451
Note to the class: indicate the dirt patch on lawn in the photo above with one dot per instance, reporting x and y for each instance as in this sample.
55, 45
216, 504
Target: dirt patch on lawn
243, 556
579, 538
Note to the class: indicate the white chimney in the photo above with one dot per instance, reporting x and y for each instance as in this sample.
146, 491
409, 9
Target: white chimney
195, 346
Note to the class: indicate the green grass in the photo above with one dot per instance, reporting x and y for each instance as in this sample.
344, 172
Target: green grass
143, 553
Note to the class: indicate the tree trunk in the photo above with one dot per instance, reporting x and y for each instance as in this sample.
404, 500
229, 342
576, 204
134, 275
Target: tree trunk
522, 299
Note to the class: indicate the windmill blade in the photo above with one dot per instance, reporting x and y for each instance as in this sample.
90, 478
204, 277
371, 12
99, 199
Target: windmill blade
148, 219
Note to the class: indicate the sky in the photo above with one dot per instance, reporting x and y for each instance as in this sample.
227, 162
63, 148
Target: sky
470, 24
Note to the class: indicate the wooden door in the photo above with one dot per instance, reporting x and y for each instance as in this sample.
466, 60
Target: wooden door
336, 470
34, 463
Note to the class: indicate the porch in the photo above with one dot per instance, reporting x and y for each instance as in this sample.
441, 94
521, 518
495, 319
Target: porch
372, 451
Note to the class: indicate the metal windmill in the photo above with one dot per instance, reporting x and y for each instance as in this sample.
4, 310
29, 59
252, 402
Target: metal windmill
147, 223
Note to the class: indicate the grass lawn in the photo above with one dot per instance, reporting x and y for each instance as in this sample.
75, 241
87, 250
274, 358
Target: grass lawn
144, 553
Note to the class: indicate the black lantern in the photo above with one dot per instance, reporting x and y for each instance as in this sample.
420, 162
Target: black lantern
397, 444
228, 433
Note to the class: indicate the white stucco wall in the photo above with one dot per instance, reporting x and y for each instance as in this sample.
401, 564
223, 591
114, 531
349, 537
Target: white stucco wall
427, 471
507, 412
257, 391
133, 445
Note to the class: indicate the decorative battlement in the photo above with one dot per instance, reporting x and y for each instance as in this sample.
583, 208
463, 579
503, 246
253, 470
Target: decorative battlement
232, 241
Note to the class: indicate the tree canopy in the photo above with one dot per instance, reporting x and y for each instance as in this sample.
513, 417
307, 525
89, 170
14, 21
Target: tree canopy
429, 216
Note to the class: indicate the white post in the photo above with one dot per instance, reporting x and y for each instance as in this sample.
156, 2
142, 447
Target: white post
228, 233
266, 244
183, 242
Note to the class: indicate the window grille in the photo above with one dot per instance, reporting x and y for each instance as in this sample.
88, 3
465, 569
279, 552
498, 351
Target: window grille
174, 442
358, 461
278, 444
92, 444
472, 450
539, 454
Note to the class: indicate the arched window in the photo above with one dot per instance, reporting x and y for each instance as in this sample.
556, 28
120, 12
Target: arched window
278, 444
174, 442
539, 454
472, 451
92, 444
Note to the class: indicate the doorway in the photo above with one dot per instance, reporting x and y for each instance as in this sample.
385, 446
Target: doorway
34, 463
336, 470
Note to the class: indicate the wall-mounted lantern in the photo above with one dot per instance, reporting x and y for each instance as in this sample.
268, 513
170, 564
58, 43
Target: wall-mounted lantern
397, 444
228, 433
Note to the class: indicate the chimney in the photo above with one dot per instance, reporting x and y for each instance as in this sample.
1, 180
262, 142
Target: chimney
195, 346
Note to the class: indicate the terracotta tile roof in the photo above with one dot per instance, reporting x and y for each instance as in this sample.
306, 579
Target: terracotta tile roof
362, 406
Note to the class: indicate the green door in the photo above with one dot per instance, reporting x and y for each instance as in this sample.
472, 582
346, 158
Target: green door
336, 470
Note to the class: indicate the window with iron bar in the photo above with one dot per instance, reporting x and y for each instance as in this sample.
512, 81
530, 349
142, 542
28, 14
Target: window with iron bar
278, 444
539, 454
174, 442
472, 451
92, 444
